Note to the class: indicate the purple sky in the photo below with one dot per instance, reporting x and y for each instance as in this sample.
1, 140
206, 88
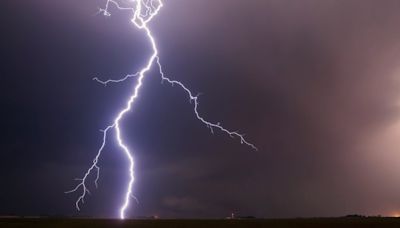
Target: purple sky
314, 84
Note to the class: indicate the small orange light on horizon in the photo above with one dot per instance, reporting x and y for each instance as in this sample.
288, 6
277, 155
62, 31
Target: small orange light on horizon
395, 214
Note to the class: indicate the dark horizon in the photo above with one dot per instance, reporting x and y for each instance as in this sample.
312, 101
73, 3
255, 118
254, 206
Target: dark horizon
313, 84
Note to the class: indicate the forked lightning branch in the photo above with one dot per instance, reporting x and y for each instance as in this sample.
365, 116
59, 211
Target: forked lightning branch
143, 12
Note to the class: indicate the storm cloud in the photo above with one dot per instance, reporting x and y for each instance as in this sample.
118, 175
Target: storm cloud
313, 84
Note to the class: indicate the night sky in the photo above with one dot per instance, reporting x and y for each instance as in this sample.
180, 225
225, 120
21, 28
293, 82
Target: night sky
314, 85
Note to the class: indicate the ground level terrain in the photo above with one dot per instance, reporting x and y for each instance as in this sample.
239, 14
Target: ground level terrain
197, 223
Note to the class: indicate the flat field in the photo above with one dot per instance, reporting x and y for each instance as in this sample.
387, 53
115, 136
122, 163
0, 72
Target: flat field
197, 223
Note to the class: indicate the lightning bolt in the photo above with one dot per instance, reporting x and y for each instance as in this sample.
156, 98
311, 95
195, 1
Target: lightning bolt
143, 12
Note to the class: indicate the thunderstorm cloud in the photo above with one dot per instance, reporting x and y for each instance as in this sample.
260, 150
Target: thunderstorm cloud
314, 85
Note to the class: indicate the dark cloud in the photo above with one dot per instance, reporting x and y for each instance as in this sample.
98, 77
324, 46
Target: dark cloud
313, 84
